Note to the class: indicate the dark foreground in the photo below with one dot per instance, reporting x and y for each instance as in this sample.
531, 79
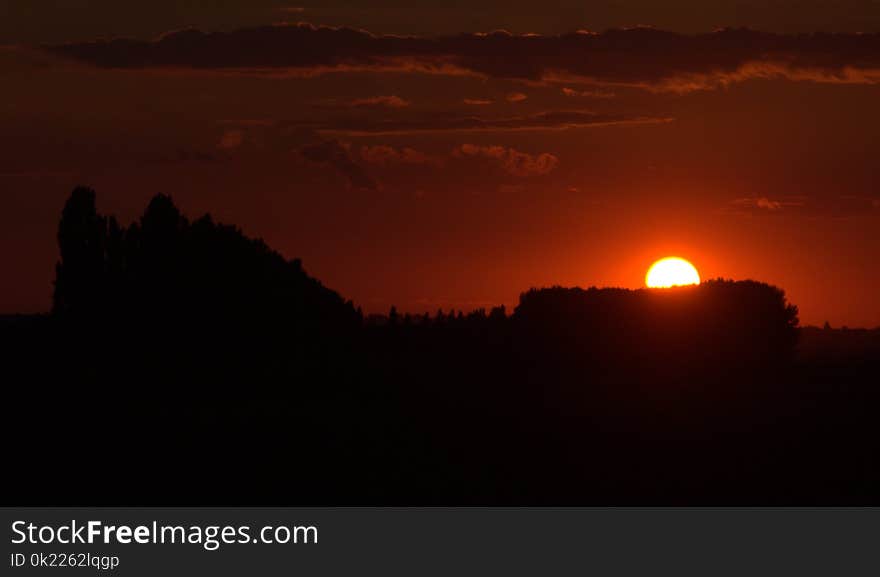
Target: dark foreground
186, 364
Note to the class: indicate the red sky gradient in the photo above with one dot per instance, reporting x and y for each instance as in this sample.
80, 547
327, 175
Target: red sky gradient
442, 170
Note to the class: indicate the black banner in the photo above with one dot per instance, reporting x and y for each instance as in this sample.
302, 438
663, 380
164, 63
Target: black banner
440, 541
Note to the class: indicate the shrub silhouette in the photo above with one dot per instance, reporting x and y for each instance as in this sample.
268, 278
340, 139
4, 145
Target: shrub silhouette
719, 321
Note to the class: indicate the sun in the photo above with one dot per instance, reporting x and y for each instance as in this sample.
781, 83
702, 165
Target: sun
671, 271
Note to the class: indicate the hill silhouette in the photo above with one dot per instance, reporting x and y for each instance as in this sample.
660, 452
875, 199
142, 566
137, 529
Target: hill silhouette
186, 363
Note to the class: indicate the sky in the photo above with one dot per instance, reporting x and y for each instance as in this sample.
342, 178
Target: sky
454, 154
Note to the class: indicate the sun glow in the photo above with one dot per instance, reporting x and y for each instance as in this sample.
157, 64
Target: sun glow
671, 271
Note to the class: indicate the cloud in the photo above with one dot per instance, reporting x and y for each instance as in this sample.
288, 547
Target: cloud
389, 101
231, 139
351, 162
381, 101
764, 204
384, 155
516, 97
550, 120
338, 157
834, 205
588, 93
768, 204
477, 102
639, 57
511, 160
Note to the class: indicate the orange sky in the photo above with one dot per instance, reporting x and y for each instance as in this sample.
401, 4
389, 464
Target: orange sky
459, 190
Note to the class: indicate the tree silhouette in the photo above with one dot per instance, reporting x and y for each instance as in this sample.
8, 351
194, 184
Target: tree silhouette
81, 274
243, 368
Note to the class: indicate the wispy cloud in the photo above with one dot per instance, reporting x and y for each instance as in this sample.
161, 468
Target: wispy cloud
390, 101
511, 160
550, 120
829, 205
384, 155
338, 157
231, 139
383, 101
354, 163
598, 93
764, 204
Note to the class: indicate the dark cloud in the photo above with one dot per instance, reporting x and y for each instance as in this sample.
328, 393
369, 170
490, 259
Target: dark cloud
641, 57
338, 157
294, 134
550, 120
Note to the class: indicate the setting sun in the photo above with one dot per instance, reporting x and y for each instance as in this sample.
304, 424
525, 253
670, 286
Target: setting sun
671, 271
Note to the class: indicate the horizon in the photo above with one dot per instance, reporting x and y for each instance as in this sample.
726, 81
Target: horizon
427, 312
